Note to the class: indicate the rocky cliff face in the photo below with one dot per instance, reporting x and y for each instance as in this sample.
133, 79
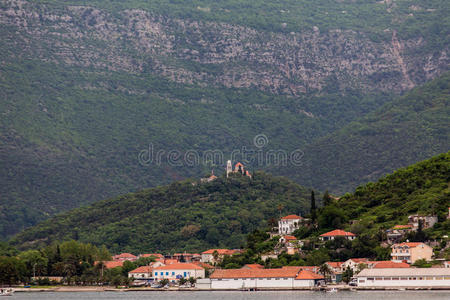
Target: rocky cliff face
219, 54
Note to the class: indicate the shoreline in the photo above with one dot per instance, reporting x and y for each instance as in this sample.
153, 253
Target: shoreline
148, 289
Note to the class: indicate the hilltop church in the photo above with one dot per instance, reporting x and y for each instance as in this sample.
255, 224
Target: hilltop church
238, 168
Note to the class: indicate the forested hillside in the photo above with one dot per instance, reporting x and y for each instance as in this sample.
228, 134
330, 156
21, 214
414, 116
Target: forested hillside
410, 128
423, 188
86, 86
181, 216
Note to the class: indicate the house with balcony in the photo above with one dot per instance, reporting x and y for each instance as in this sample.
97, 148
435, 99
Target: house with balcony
397, 232
411, 252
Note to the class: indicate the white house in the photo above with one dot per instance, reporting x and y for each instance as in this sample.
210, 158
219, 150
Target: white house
283, 278
176, 271
288, 224
354, 264
144, 272
208, 255
404, 277
446, 264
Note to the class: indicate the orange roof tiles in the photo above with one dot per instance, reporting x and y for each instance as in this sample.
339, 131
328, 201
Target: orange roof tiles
152, 254
389, 264
254, 273
338, 232
291, 217
304, 274
334, 264
290, 238
410, 245
125, 255
253, 266
179, 266
220, 251
169, 261
143, 269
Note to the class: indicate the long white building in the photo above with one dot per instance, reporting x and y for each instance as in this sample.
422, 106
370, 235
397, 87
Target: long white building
283, 278
404, 277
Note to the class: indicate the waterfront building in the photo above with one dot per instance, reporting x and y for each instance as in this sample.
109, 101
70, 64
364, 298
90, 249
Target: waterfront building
283, 278
404, 277
176, 271
144, 272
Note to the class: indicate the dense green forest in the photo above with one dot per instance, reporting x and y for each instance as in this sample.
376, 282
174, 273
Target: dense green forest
185, 215
86, 86
413, 126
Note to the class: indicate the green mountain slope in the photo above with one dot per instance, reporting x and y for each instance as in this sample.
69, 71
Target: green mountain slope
181, 216
422, 188
86, 86
404, 131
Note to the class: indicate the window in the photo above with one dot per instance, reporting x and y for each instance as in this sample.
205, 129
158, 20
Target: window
362, 281
387, 278
404, 278
269, 278
369, 278
378, 278
428, 278
236, 279
285, 278
167, 273
277, 278
173, 273
395, 278
439, 278
156, 273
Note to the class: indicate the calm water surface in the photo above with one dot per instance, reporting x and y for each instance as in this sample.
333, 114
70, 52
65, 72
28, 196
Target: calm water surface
397, 295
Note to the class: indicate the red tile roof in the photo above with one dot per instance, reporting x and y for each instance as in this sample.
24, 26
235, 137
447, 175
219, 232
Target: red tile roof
410, 245
179, 266
255, 273
291, 217
143, 269
203, 265
338, 232
304, 274
290, 238
152, 254
125, 255
360, 260
169, 261
220, 251
334, 264
253, 266
389, 264
111, 264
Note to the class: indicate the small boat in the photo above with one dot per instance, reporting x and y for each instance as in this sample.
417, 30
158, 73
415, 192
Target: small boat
6, 292
332, 290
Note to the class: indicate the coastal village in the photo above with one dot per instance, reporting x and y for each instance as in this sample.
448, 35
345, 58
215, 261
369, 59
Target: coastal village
202, 270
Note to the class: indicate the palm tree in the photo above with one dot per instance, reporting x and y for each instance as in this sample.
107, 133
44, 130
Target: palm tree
325, 270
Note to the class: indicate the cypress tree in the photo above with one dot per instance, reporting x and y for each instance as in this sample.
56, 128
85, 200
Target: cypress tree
313, 207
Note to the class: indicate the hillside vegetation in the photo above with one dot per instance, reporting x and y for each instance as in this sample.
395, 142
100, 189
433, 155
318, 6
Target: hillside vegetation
86, 86
406, 130
181, 216
422, 188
